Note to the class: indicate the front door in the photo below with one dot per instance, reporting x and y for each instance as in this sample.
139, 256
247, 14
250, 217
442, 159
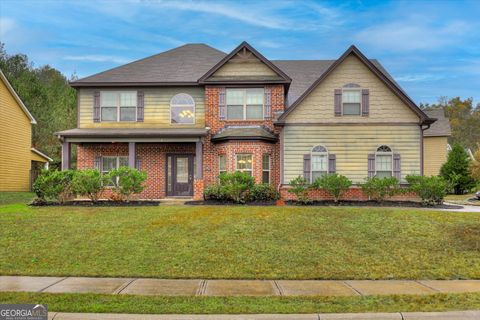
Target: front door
180, 175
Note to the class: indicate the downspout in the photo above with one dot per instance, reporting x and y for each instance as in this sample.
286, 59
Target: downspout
421, 147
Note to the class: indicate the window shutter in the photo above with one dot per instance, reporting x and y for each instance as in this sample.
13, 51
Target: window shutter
397, 172
267, 104
365, 102
332, 163
371, 165
222, 106
138, 163
97, 163
96, 106
140, 106
338, 102
306, 167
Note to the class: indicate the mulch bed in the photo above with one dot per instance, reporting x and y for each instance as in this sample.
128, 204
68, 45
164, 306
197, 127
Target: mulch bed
372, 203
226, 203
99, 203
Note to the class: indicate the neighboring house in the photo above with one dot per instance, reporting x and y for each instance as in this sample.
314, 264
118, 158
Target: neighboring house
467, 150
435, 142
17, 157
188, 114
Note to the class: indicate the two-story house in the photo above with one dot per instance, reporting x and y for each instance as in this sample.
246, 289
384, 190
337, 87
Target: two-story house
188, 114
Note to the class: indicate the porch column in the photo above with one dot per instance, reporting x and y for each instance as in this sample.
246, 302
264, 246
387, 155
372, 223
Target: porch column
131, 154
66, 148
199, 159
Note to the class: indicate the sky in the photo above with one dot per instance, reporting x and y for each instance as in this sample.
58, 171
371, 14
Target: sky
432, 48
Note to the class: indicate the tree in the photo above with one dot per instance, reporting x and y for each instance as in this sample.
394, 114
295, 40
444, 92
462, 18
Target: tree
456, 170
47, 95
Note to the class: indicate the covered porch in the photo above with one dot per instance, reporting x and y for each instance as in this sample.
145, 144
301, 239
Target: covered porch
172, 158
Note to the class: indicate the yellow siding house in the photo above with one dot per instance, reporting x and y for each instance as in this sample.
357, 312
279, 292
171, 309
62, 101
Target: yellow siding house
16, 153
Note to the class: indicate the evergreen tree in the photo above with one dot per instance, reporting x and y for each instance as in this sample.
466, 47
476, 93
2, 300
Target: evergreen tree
457, 170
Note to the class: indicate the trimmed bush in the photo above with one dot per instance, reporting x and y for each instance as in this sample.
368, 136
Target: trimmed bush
88, 182
431, 190
456, 171
127, 181
263, 192
300, 187
334, 184
214, 192
236, 185
54, 185
379, 189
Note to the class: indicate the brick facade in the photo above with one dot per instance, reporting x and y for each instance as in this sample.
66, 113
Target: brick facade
152, 158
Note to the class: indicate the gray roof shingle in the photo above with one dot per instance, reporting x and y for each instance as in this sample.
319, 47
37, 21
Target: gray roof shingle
244, 133
441, 127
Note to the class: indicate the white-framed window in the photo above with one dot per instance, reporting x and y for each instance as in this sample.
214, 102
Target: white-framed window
266, 168
245, 104
383, 162
118, 105
318, 162
182, 109
244, 163
351, 102
112, 162
222, 163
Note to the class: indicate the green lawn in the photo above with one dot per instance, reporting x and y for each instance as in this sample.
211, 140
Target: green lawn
15, 197
238, 305
239, 242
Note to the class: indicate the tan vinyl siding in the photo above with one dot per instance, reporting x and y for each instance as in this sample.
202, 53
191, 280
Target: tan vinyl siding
250, 68
385, 106
435, 154
351, 144
15, 144
157, 109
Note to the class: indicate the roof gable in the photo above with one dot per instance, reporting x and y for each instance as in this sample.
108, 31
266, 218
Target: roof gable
266, 71
352, 50
17, 98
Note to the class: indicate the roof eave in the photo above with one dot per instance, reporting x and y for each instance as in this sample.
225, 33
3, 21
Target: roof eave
76, 84
220, 139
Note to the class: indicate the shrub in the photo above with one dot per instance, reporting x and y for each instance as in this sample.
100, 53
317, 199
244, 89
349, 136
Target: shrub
214, 192
431, 190
334, 184
300, 187
456, 170
236, 186
263, 192
379, 189
54, 185
88, 182
127, 181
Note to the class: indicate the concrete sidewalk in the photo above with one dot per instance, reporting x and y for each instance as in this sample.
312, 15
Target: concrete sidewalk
453, 315
199, 287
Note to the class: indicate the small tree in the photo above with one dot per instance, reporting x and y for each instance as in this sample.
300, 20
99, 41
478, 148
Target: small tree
379, 189
334, 184
456, 170
88, 183
300, 187
127, 181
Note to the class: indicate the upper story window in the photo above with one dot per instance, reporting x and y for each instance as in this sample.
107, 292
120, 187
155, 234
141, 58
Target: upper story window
118, 105
182, 109
351, 102
245, 104
319, 162
383, 162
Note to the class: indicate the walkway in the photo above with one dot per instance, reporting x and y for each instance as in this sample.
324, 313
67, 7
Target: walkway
234, 287
453, 315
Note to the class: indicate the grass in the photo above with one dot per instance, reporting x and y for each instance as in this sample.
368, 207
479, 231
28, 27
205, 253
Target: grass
102, 303
15, 197
239, 242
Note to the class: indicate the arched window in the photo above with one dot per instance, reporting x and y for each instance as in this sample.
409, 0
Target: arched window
319, 162
383, 162
182, 109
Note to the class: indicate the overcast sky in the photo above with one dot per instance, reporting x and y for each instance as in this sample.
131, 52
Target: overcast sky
432, 48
